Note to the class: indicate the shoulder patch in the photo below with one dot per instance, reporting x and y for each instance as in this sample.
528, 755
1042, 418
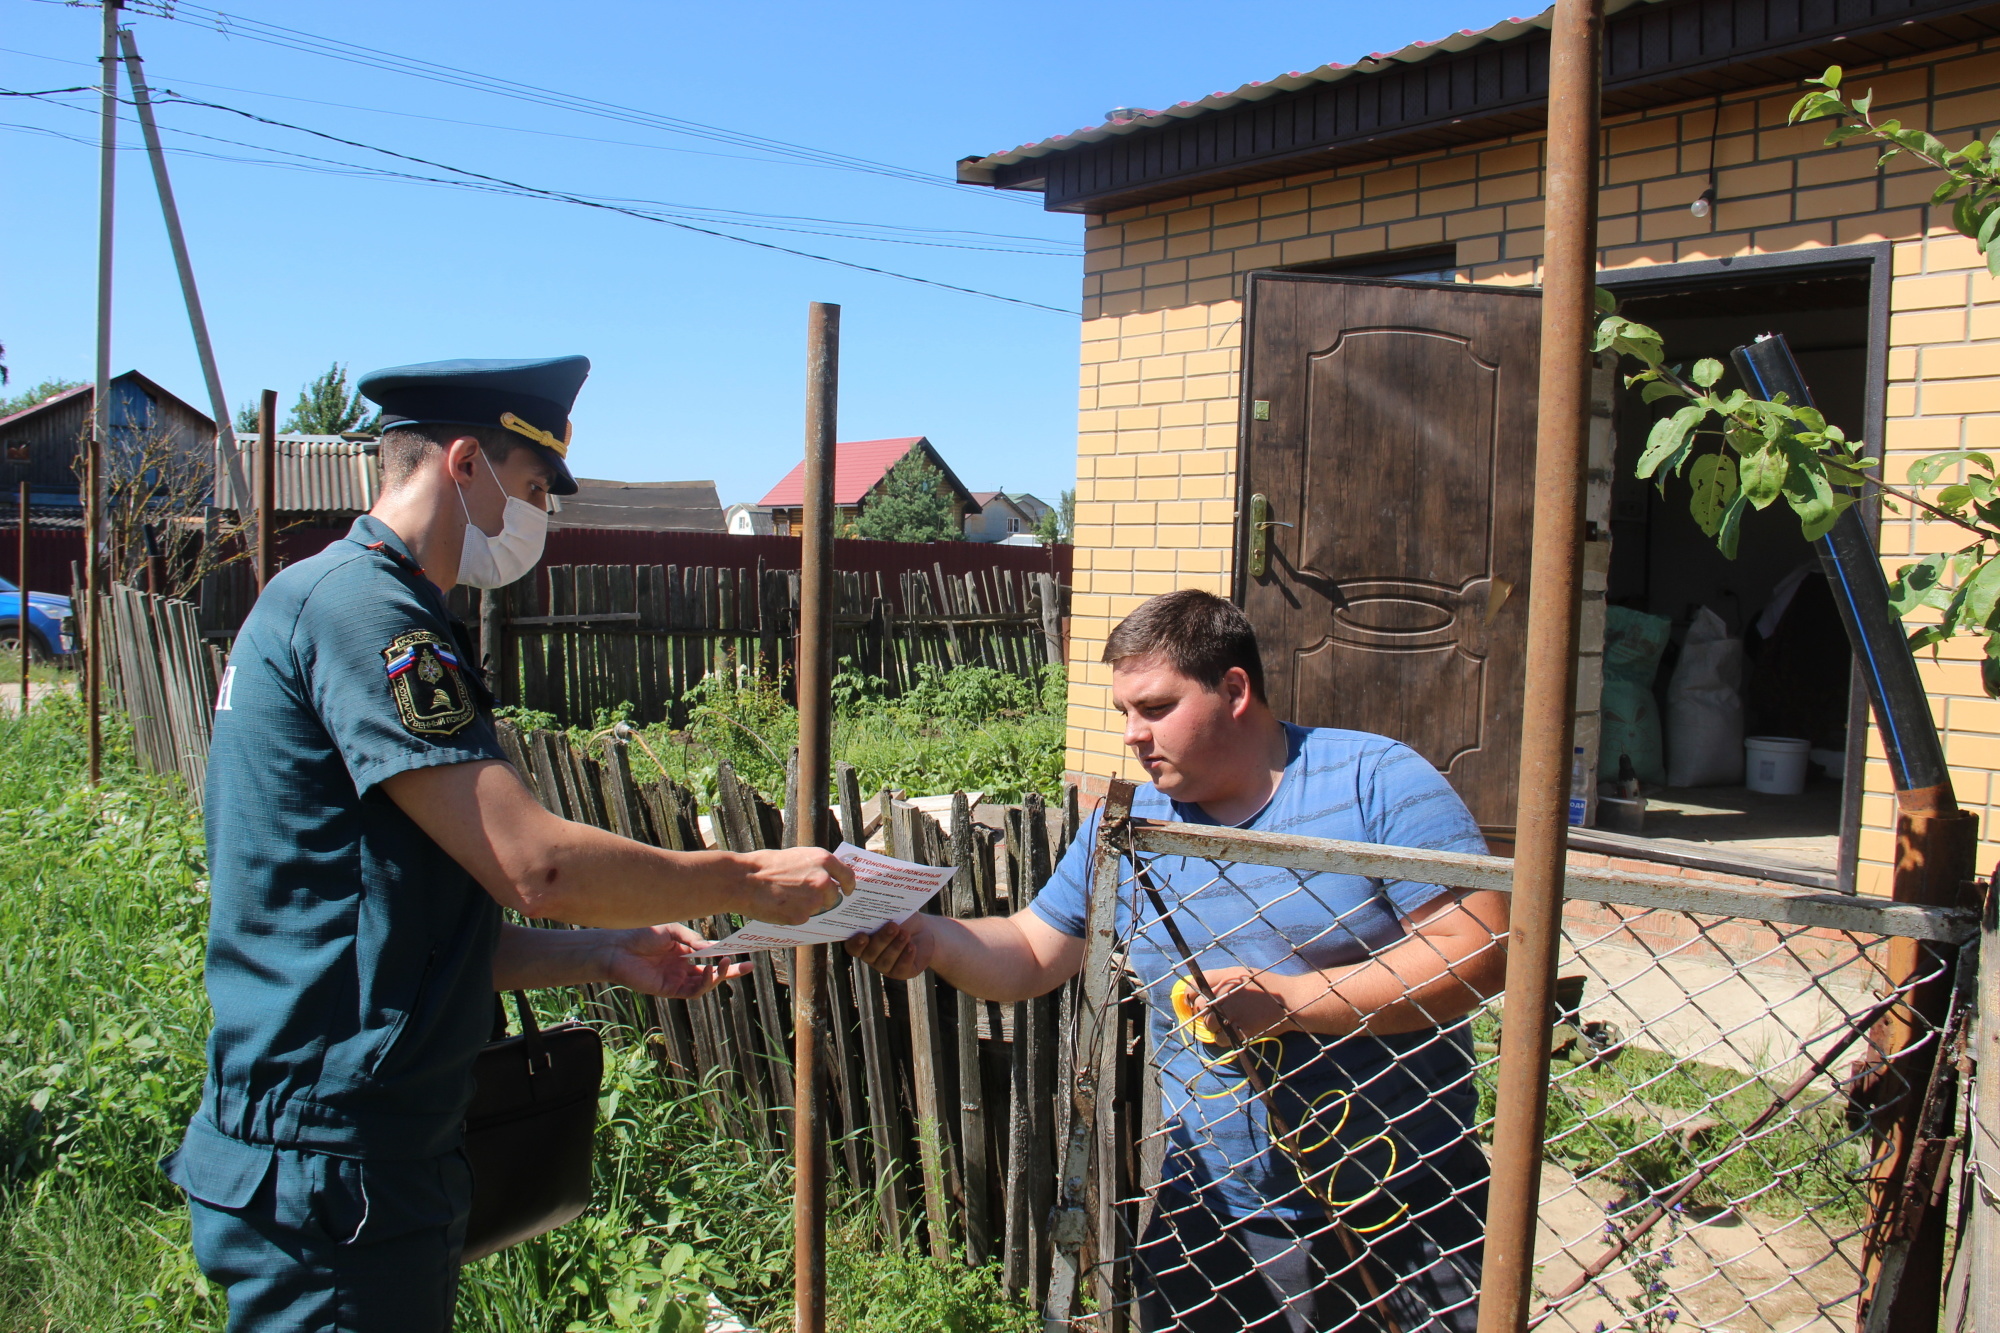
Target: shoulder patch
427, 681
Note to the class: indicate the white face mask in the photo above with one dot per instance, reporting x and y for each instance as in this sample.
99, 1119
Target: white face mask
495, 562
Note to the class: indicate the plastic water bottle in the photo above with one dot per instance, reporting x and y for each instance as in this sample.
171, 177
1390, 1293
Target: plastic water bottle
1580, 778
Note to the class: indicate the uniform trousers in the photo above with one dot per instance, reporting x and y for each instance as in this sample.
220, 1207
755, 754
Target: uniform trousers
1197, 1272
340, 1245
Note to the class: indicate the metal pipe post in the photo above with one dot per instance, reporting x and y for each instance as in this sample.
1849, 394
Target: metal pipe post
815, 696
21, 579
229, 459
267, 482
100, 403
1548, 719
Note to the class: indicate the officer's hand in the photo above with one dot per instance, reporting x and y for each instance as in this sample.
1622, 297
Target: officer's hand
793, 884
654, 961
897, 952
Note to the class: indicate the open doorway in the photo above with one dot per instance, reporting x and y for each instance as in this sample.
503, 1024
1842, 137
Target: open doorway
1763, 626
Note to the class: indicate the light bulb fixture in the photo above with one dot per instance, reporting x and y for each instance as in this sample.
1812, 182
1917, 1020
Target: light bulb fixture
1704, 203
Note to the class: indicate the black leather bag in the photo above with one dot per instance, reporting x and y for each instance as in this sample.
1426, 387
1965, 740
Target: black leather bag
529, 1131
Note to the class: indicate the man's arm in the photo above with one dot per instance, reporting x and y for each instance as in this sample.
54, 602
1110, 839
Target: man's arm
541, 865
649, 959
1453, 959
1002, 958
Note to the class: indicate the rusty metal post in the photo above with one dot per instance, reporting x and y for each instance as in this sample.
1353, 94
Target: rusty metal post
1936, 850
267, 483
1548, 717
100, 403
21, 579
815, 695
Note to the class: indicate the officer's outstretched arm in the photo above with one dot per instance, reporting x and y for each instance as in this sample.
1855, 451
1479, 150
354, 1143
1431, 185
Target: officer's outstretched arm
542, 865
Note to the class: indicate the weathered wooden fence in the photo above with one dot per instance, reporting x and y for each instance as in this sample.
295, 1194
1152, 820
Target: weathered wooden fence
603, 635
164, 675
944, 1109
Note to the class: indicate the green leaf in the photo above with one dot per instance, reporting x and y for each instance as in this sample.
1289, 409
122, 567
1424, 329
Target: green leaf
1809, 417
1731, 529
1953, 498
1830, 79
1993, 261
1713, 477
1606, 302
1840, 134
1946, 191
1883, 160
1763, 475
1921, 584
1657, 390
1807, 490
1930, 467
1667, 437
1706, 372
1815, 530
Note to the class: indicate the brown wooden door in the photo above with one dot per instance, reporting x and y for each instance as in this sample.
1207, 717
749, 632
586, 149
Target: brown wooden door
1390, 427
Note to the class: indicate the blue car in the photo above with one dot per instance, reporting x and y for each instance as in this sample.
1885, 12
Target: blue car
51, 630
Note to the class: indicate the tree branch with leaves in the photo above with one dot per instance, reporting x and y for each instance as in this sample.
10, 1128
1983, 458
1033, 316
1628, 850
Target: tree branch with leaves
1740, 453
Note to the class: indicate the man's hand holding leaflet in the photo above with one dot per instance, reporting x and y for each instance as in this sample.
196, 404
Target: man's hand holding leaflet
886, 892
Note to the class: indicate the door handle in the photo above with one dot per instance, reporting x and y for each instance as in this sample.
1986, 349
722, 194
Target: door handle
1260, 543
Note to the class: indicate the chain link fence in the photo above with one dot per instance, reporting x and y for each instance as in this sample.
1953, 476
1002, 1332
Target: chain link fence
1726, 1068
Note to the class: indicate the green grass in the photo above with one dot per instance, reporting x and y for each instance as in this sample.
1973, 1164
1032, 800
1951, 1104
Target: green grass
39, 673
1644, 1121
102, 917
968, 729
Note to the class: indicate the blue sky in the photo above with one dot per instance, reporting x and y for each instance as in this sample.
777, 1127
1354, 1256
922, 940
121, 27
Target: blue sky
697, 342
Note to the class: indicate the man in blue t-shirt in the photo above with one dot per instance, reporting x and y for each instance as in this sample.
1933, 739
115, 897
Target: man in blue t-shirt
1342, 1188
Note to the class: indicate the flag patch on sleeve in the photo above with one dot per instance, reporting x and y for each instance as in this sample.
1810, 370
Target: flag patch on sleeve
427, 681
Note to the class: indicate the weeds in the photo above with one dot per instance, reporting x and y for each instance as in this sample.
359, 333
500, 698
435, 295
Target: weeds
967, 729
103, 913
1646, 1120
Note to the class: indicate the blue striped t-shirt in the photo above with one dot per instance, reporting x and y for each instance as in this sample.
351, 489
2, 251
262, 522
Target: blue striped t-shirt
1362, 1107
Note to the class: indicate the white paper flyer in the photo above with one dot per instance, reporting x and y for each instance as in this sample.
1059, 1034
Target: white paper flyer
885, 890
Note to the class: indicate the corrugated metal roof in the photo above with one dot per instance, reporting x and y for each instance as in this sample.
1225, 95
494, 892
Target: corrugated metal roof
857, 466
657, 506
1331, 72
316, 474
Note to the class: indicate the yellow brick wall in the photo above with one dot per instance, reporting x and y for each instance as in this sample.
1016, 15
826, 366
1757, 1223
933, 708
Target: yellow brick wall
1156, 445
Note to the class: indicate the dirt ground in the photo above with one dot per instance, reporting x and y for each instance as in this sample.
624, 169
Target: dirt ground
10, 694
1736, 1273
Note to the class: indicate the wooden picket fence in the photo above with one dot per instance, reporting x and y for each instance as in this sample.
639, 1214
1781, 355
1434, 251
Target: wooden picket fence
942, 1108
646, 635
163, 673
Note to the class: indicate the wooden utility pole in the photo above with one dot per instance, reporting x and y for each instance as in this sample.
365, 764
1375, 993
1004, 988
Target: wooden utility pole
1562, 438
267, 482
100, 404
228, 458
815, 695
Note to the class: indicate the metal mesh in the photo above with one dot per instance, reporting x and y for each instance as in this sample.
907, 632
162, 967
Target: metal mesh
1713, 1089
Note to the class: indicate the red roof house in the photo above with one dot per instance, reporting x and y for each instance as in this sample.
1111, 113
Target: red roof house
859, 467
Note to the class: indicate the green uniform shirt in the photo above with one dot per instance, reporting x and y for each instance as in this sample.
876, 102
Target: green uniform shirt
350, 960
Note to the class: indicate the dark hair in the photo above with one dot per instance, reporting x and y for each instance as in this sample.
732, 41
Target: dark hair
405, 446
1202, 635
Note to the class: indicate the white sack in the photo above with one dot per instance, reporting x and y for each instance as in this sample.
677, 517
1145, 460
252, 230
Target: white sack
1704, 709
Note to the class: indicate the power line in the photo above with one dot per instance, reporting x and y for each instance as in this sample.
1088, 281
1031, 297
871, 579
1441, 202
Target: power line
374, 58
1071, 247
662, 208
499, 184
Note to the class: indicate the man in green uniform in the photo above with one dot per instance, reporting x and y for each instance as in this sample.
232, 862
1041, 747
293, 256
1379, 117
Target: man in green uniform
364, 833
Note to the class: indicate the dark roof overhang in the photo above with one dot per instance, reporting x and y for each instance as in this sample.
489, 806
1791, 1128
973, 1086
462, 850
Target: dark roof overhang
1656, 54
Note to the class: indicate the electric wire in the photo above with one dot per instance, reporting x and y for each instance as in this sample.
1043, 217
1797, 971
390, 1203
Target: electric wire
498, 184
274, 34
1067, 247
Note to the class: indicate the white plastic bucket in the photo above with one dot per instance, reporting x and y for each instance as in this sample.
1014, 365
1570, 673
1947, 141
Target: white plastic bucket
1775, 765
